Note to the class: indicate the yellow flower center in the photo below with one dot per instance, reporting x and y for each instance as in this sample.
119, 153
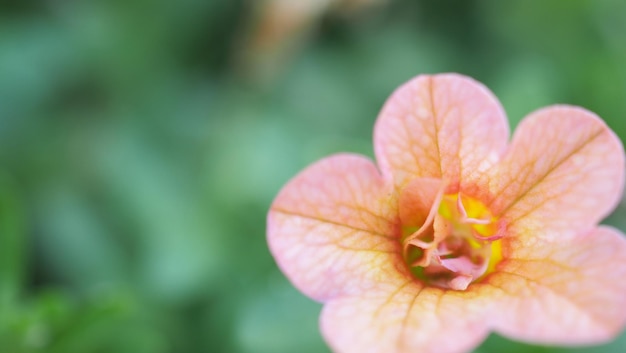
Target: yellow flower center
458, 244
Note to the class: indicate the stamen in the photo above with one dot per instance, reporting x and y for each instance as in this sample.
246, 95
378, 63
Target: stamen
452, 249
427, 223
424, 261
441, 230
464, 218
420, 244
494, 237
433, 249
498, 235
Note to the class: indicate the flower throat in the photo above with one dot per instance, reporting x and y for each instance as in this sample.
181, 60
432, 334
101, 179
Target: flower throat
458, 243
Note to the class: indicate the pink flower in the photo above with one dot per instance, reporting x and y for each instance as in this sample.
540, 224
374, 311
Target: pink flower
457, 233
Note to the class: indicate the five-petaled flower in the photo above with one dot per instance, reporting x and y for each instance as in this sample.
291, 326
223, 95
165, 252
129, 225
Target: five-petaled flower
458, 233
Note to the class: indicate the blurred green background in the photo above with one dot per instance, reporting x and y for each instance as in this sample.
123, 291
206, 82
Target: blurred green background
141, 143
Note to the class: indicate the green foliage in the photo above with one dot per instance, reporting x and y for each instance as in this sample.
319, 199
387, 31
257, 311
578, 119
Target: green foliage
141, 143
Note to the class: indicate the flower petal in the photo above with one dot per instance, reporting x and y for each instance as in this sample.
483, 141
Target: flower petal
564, 172
443, 126
566, 292
418, 199
406, 320
334, 229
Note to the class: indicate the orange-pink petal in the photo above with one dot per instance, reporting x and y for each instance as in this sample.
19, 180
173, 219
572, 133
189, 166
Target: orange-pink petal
566, 292
417, 200
334, 229
564, 172
443, 126
407, 319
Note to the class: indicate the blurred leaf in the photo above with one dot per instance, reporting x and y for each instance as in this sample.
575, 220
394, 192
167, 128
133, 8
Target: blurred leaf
104, 323
279, 320
75, 242
525, 85
36, 59
12, 244
179, 252
54, 323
